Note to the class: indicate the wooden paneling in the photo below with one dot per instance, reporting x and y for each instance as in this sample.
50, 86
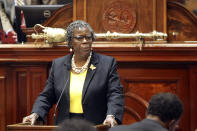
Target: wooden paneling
79, 8
37, 78
150, 15
3, 112
145, 80
20, 84
128, 16
61, 18
25, 81
161, 16
182, 23
133, 113
143, 73
193, 98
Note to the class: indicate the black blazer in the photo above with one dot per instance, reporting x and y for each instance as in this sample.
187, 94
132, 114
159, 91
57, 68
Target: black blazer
102, 92
144, 125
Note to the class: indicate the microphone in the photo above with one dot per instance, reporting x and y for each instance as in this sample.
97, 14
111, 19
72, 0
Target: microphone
54, 115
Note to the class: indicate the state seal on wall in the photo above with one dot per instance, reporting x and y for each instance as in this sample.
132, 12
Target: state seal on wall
119, 16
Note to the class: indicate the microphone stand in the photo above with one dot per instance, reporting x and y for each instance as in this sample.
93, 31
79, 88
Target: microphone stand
54, 115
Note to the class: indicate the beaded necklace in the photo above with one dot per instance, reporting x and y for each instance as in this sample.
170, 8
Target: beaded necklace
79, 70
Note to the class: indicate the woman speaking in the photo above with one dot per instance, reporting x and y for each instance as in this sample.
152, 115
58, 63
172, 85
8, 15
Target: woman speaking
83, 84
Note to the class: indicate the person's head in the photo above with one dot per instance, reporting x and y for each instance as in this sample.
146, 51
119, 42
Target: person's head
167, 107
75, 125
80, 36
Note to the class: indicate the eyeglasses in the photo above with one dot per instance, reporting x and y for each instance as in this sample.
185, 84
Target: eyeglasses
80, 38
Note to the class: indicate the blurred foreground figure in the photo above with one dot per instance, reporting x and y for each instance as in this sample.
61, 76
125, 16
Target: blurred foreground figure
163, 114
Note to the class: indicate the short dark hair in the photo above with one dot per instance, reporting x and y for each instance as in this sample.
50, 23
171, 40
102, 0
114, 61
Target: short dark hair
166, 106
75, 125
74, 25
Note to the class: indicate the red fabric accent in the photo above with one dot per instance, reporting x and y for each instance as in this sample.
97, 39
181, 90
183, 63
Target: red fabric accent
23, 23
7, 39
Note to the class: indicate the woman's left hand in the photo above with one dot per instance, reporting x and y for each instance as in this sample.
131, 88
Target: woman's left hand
110, 121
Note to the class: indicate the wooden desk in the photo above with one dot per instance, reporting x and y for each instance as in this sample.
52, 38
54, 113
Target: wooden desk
22, 127
23, 73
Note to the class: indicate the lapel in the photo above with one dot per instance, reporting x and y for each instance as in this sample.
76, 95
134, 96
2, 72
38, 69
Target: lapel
91, 71
66, 75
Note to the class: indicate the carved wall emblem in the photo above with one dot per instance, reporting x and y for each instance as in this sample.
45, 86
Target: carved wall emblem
119, 16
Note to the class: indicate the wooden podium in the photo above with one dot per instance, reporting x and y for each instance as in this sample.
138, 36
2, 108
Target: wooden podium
24, 127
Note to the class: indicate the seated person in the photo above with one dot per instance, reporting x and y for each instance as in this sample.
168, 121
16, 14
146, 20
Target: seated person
8, 34
163, 114
195, 12
75, 125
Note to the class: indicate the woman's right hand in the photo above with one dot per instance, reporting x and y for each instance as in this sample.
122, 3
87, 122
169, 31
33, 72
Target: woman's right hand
31, 118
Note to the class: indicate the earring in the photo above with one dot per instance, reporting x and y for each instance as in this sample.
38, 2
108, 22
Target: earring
71, 50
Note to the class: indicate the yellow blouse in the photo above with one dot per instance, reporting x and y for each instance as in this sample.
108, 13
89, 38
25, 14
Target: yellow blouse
76, 87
